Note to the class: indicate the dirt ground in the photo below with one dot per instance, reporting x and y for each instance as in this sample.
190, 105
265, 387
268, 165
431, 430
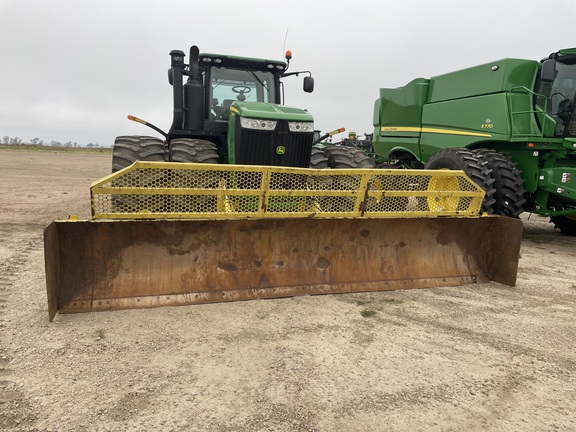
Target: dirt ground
483, 357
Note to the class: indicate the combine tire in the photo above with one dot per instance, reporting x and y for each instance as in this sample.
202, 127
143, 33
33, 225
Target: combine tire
348, 157
130, 148
318, 159
193, 151
509, 185
474, 167
566, 224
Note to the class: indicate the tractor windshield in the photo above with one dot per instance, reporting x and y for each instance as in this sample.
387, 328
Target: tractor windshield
228, 85
561, 98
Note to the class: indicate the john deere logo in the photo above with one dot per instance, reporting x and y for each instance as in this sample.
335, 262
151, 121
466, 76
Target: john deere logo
280, 150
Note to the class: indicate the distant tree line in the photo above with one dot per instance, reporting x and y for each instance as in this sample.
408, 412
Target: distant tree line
39, 142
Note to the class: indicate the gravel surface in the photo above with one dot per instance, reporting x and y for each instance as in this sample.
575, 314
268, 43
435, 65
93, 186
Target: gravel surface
483, 357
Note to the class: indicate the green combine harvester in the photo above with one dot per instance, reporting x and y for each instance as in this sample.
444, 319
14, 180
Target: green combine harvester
509, 124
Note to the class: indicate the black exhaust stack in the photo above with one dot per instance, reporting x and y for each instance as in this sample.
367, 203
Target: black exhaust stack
194, 94
175, 78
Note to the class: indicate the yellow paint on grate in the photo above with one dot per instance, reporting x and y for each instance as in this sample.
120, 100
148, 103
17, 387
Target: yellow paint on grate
163, 190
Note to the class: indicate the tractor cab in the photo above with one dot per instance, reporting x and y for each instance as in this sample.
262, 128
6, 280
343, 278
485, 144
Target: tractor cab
236, 103
243, 80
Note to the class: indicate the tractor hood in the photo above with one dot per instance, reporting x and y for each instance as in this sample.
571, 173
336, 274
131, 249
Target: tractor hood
261, 110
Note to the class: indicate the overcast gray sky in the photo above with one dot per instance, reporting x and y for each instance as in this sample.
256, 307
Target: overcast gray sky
72, 70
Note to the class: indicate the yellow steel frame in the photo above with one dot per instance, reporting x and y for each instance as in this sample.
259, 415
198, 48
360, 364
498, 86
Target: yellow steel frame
163, 190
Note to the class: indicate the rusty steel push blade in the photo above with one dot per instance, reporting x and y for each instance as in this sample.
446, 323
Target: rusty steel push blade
98, 266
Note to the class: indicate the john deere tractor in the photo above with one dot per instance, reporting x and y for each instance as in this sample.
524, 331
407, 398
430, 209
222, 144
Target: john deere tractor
230, 110
509, 124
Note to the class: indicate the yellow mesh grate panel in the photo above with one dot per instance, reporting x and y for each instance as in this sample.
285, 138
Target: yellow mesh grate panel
148, 190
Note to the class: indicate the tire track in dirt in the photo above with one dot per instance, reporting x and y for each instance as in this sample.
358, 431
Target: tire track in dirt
17, 243
501, 344
284, 403
15, 410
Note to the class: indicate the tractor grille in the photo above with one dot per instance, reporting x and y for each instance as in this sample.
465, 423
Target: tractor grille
254, 147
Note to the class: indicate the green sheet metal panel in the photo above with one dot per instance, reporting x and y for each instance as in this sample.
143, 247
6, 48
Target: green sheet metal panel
501, 75
401, 106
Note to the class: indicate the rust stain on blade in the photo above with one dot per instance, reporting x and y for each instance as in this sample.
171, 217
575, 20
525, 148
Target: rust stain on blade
130, 264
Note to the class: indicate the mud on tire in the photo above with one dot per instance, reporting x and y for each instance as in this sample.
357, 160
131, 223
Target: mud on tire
474, 167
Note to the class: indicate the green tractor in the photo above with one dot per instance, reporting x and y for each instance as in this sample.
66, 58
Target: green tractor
230, 110
509, 124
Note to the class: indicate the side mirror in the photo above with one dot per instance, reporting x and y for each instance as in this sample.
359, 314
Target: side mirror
308, 84
548, 72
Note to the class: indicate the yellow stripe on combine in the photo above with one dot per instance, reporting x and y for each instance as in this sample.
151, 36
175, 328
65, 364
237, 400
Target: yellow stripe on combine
433, 130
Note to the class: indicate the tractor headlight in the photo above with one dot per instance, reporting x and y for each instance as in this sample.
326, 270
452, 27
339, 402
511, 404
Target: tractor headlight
258, 124
301, 126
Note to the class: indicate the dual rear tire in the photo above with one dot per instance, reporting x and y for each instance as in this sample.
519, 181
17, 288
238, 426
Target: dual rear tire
472, 165
131, 148
339, 157
494, 172
500, 178
508, 184
193, 151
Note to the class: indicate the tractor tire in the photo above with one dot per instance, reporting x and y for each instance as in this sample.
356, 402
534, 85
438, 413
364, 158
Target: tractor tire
318, 159
348, 157
193, 151
474, 167
127, 150
188, 150
509, 185
566, 224
131, 148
